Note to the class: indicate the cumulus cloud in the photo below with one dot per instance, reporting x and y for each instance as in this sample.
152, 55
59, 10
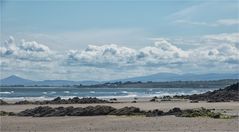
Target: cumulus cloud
161, 54
101, 56
120, 61
110, 55
25, 50
224, 37
211, 55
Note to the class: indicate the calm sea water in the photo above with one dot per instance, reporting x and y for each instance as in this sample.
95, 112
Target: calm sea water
41, 93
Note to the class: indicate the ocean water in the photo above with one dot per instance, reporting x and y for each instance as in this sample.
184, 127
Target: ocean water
43, 93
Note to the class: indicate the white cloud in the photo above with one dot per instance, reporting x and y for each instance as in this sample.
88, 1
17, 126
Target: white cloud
162, 54
224, 37
180, 21
207, 10
101, 56
228, 22
217, 53
25, 50
208, 14
112, 55
220, 22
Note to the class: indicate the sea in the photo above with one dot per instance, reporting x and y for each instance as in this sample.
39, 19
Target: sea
47, 93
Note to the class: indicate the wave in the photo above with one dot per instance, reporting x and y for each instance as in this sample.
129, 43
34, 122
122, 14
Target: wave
7, 92
48, 95
92, 91
124, 92
52, 92
66, 92
34, 98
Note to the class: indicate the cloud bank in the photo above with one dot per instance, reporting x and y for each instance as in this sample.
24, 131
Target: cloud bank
111, 61
31, 51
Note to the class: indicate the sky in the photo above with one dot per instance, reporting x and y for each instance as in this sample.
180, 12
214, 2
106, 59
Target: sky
105, 40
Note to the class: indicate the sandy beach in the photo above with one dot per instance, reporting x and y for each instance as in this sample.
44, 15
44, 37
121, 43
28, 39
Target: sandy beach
124, 123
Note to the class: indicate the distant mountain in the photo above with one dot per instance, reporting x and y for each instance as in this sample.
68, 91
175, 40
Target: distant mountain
15, 80
161, 77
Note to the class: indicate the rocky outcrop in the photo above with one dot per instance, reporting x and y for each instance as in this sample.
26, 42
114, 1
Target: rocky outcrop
3, 102
127, 111
153, 113
174, 111
201, 112
58, 100
230, 93
46, 111
24, 102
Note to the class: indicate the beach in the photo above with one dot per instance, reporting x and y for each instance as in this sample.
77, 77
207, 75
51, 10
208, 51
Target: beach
124, 123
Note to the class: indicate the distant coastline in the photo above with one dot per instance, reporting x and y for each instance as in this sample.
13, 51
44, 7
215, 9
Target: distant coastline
149, 84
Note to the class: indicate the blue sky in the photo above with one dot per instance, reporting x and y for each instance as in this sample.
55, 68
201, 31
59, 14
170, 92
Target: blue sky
62, 31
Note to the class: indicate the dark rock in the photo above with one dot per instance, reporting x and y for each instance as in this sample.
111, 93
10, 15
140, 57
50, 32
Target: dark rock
202, 112
230, 93
216, 115
3, 102
194, 101
76, 112
113, 99
23, 102
11, 114
174, 111
47, 111
58, 100
153, 113
91, 100
37, 112
167, 97
59, 111
180, 96
134, 101
153, 100
127, 111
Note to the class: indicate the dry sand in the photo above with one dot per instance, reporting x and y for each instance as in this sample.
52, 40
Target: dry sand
124, 123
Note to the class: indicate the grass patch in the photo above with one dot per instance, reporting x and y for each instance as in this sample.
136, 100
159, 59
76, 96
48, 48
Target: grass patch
202, 112
4, 113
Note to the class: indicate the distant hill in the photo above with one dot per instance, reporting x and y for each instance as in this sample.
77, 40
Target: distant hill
15, 80
162, 77
166, 84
